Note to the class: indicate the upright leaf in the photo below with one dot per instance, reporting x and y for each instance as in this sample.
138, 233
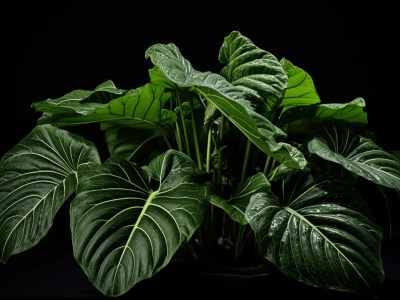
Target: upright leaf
300, 87
127, 222
229, 99
36, 177
256, 71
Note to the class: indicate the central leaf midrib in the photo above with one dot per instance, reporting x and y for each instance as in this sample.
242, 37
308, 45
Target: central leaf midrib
302, 218
149, 200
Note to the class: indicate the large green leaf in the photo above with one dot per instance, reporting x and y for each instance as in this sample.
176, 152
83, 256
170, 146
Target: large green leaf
255, 71
178, 70
236, 205
357, 154
229, 99
300, 87
77, 103
127, 222
140, 108
36, 177
317, 231
306, 118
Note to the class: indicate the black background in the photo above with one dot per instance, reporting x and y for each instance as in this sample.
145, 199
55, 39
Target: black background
350, 48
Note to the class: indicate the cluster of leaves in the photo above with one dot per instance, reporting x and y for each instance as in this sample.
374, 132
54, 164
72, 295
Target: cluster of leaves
245, 159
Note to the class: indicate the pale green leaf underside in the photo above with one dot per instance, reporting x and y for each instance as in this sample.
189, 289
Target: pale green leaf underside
77, 102
141, 108
300, 87
319, 237
36, 177
122, 230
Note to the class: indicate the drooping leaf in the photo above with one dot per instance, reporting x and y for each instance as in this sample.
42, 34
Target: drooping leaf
256, 71
317, 231
127, 222
236, 205
357, 154
306, 118
36, 177
287, 154
228, 99
140, 108
300, 87
77, 103
177, 69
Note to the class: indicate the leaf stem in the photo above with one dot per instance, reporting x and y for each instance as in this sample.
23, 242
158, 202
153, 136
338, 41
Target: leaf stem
220, 138
166, 139
195, 137
246, 160
208, 158
178, 137
239, 244
266, 166
185, 134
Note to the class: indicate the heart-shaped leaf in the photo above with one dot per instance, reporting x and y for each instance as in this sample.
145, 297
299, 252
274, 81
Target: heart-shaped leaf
127, 222
254, 70
318, 232
36, 177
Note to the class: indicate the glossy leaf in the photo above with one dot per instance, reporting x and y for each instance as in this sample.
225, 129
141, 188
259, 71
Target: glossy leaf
142, 121
317, 231
77, 103
300, 87
254, 70
127, 222
230, 100
357, 154
140, 108
36, 177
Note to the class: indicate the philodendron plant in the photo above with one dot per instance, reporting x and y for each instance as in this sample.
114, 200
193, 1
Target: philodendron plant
245, 163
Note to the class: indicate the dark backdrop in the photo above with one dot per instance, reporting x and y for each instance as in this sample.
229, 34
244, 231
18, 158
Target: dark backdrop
50, 48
